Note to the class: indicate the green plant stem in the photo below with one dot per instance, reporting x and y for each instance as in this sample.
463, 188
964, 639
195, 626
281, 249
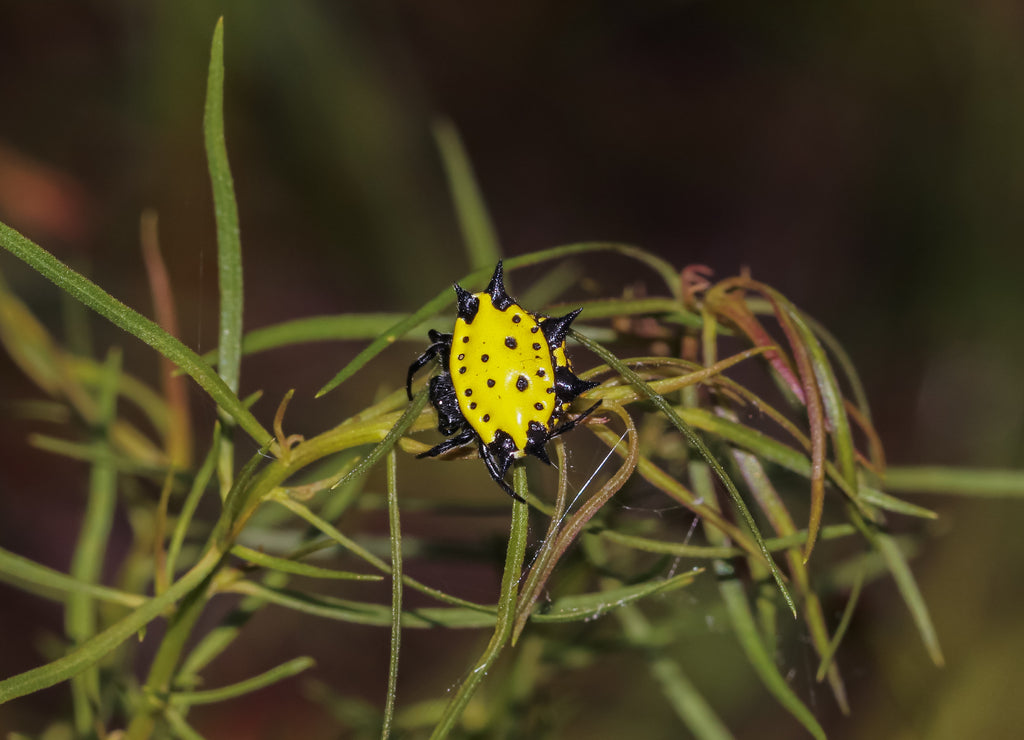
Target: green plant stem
506, 610
959, 481
100, 645
87, 561
396, 595
698, 444
161, 672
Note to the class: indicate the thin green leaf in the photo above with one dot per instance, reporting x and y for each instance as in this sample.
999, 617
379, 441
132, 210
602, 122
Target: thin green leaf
478, 234
957, 481
94, 455
445, 298
775, 544
229, 248
80, 618
106, 641
883, 500
267, 678
669, 309
395, 531
188, 509
505, 617
781, 520
698, 444
682, 695
844, 624
52, 584
763, 663
578, 607
554, 548
360, 551
333, 328
300, 569
361, 612
134, 323
179, 727
911, 593
404, 423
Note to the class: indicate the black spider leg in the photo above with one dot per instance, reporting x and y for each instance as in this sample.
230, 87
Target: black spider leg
441, 345
462, 438
446, 403
536, 437
569, 424
498, 457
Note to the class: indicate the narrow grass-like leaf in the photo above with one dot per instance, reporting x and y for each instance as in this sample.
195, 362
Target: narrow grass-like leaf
404, 423
369, 326
134, 323
689, 705
781, 520
188, 509
668, 309
704, 552
229, 248
910, 592
93, 455
395, 531
478, 234
506, 609
361, 612
671, 486
763, 663
300, 569
958, 481
883, 500
554, 548
29, 575
356, 549
844, 624
179, 727
445, 298
627, 393
577, 607
332, 328
267, 678
698, 444
107, 640
80, 618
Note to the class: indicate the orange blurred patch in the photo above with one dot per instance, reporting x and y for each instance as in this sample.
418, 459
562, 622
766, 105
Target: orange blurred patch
40, 199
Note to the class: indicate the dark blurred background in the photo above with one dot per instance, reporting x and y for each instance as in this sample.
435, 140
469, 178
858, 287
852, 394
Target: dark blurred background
865, 158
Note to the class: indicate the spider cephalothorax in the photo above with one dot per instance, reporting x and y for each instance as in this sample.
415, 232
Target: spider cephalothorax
505, 381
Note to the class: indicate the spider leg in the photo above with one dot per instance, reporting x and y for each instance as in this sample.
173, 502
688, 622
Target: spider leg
536, 437
442, 395
441, 346
464, 437
567, 425
498, 457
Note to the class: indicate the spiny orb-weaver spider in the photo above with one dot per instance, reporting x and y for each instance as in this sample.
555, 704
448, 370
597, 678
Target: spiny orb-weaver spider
505, 380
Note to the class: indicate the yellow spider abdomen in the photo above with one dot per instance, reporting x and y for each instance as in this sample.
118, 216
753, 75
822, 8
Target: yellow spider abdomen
501, 368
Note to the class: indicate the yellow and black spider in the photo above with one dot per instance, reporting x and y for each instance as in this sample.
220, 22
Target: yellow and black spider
505, 381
